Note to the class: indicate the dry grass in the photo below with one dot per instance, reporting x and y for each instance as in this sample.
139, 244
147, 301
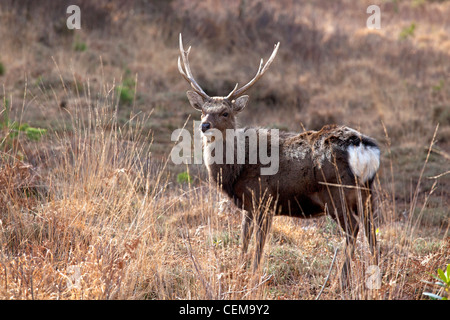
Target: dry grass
93, 210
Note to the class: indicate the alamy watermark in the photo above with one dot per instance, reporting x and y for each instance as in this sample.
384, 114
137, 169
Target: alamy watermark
373, 277
374, 21
73, 277
256, 150
241, 146
74, 20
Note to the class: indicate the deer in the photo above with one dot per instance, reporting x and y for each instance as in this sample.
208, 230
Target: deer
326, 172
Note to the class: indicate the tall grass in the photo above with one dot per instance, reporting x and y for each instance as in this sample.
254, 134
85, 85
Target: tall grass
93, 209
102, 219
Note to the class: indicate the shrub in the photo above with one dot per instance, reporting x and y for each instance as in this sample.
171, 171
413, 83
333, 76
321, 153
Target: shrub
184, 177
126, 90
79, 45
125, 94
11, 130
442, 281
408, 31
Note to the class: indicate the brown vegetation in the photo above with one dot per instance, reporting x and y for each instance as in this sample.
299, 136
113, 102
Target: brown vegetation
93, 209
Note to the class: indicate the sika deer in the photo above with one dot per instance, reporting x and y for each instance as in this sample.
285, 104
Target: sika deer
320, 172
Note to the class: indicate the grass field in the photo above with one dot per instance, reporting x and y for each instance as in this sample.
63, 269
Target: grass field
91, 205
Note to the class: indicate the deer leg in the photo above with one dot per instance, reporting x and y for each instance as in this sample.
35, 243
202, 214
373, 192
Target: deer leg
263, 222
350, 242
350, 226
246, 232
370, 229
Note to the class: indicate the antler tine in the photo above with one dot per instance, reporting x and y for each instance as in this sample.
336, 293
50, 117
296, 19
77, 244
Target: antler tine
232, 92
261, 70
188, 74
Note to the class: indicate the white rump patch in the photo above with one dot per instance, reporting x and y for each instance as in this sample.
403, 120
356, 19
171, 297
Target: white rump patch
364, 161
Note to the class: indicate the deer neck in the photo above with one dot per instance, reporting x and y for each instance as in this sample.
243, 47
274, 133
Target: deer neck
220, 170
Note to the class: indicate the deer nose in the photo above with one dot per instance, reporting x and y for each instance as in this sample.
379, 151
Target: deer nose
206, 126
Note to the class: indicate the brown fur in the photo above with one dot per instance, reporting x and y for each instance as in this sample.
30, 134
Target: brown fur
315, 176
312, 165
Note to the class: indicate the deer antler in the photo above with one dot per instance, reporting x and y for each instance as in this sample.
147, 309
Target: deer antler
261, 70
188, 74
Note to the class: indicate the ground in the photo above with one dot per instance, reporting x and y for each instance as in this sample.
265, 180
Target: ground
92, 207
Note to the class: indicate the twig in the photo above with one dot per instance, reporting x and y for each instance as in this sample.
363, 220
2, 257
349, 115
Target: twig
439, 175
440, 152
249, 290
196, 266
343, 186
329, 272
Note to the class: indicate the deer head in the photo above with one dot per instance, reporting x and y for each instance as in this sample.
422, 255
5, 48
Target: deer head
218, 112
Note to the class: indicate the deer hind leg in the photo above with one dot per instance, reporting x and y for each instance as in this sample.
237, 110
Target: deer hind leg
369, 225
350, 242
349, 224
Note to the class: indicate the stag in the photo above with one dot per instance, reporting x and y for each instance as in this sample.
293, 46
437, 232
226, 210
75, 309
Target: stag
330, 171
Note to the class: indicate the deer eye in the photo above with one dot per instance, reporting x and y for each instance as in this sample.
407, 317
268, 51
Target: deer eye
225, 114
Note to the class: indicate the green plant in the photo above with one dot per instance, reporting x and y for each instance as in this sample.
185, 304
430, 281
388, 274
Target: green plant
443, 281
11, 130
408, 31
128, 81
126, 90
184, 177
2, 69
125, 94
79, 45
34, 134
224, 238
439, 86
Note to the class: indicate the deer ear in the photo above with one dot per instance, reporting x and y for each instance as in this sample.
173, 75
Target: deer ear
196, 100
240, 103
